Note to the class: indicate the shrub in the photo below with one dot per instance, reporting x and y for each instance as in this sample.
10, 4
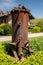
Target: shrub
5, 29
34, 59
6, 59
38, 23
1, 31
35, 29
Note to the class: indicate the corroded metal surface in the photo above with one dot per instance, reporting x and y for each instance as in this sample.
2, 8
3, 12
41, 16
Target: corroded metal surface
20, 19
20, 25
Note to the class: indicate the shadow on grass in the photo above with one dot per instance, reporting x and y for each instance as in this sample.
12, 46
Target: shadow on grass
8, 49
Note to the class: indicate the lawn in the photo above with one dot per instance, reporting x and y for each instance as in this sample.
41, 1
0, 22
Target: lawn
35, 59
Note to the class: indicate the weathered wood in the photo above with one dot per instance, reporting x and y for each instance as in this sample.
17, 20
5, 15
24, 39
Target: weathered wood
15, 54
20, 19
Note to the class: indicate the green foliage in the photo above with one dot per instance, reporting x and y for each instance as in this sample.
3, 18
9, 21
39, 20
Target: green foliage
34, 29
37, 25
40, 24
6, 59
36, 43
5, 29
34, 59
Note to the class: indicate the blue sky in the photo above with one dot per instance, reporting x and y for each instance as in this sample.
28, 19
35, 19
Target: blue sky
35, 6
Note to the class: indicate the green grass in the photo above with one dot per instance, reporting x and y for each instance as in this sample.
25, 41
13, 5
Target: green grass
36, 43
35, 59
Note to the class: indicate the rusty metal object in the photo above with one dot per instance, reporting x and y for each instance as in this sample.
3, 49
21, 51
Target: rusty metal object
20, 19
20, 25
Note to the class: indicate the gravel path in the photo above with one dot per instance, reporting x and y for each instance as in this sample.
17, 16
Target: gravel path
35, 34
9, 38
